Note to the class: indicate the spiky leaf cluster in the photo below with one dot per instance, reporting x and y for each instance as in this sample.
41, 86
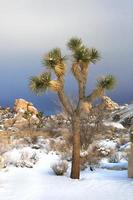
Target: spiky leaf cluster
39, 84
108, 82
55, 61
94, 55
54, 57
74, 43
81, 53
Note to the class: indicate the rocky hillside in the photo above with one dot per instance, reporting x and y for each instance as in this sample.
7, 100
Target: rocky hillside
24, 116
104, 136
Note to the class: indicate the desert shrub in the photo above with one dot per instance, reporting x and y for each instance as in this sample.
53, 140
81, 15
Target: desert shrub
34, 139
60, 146
60, 167
67, 137
125, 154
87, 136
114, 158
123, 140
91, 157
2, 162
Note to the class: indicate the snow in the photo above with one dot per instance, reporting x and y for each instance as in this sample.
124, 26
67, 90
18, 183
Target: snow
126, 146
114, 124
124, 112
40, 183
127, 112
107, 144
116, 166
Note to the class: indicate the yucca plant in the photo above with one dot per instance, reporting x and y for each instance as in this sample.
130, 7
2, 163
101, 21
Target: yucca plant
55, 85
60, 69
39, 84
55, 63
106, 82
74, 44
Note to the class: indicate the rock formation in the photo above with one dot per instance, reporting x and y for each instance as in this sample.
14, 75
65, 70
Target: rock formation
16, 119
21, 104
108, 104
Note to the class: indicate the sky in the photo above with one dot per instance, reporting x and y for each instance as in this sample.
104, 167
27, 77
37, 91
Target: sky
30, 28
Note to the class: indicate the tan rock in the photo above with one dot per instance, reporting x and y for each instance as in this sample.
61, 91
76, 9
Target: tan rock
8, 122
21, 104
21, 123
34, 120
32, 109
108, 104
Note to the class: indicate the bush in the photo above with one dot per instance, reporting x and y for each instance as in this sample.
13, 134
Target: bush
60, 146
2, 162
90, 159
123, 140
115, 158
60, 167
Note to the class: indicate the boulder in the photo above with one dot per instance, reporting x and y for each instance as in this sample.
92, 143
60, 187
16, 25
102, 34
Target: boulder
8, 122
21, 104
21, 123
34, 120
108, 104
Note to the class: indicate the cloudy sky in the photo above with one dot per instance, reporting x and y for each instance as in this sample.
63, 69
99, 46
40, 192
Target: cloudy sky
29, 28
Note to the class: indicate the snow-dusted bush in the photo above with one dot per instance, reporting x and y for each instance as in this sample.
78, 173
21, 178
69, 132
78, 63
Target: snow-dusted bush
60, 146
114, 158
2, 162
89, 159
25, 157
60, 167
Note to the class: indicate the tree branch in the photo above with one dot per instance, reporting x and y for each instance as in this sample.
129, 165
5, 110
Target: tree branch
96, 93
64, 100
80, 72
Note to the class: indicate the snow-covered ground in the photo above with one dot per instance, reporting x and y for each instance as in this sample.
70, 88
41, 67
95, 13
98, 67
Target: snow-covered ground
39, 183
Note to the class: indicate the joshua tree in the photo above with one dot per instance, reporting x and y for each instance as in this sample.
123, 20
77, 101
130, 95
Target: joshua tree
82, 57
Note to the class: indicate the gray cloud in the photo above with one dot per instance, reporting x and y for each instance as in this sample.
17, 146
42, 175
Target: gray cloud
29, 28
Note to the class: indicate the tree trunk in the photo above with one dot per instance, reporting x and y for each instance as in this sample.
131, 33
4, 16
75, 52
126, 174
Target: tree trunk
130, 163
75, 170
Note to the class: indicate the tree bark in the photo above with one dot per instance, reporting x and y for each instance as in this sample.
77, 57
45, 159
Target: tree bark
75, 170
130, 162
63, 99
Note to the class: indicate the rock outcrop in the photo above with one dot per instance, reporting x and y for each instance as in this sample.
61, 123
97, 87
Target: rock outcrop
21, 104
108, 104
24, 115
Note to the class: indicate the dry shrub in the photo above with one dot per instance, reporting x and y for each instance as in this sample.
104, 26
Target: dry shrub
5, 142
2, 162
123, 140
90, 157
61, 147
114, 158
8, 137
67, 137
60, 167
32, 134
87, 136
125, 154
